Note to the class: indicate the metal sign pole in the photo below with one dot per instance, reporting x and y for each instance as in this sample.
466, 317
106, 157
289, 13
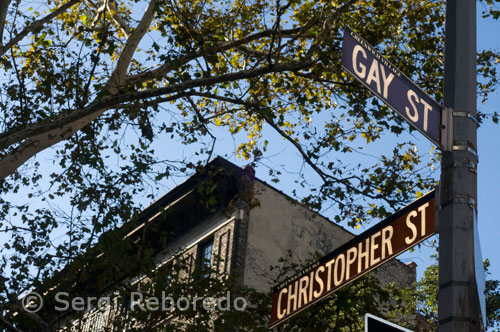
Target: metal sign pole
458, 303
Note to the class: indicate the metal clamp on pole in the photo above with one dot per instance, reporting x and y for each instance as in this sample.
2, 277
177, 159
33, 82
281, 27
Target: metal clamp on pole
469, 201
470, 165
461, 199
463, 146
466, 114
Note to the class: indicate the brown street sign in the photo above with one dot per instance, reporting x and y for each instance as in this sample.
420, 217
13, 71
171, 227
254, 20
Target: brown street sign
389, 84
370, 249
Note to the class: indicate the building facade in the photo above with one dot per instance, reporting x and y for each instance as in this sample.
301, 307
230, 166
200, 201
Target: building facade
222, 211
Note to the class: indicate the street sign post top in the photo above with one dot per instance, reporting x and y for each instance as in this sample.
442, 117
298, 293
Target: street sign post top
377, 324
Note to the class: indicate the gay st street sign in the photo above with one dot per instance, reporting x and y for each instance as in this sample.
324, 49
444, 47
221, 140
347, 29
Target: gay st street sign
389, 84
362, 254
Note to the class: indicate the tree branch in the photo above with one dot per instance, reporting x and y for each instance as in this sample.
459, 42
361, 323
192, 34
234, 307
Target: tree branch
58, 123
221, 47
118, 76
238, 44
8, 325
119, 21
203, 123
326, 178
36, 25
15, 307
4, 6
41, 136
63, 129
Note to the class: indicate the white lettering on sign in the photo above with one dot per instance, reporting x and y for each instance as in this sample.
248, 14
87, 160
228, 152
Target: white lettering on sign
376, 74
412, 226
281, 313
352, 254
387, 234
387, 80
319, 281
373, 75
361, 72
339, 263
413, 113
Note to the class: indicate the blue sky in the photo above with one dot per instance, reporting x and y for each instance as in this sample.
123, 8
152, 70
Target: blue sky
489, 159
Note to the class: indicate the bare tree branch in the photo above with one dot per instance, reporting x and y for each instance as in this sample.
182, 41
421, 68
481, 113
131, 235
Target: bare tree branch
16, 307
119, 74
118, 20
8, 325
36, 25
221, 47
325, 177
4, 6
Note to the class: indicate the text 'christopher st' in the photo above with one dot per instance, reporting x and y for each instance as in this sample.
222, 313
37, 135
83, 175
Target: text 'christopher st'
365, 252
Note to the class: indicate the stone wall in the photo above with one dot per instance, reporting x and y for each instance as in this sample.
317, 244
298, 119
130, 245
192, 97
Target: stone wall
280, 225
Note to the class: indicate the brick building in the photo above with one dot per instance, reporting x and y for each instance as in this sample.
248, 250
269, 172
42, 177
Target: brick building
224, 211
251, 239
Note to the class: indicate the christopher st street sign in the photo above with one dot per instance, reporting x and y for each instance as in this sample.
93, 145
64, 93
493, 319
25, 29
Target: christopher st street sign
365, 252
391, 85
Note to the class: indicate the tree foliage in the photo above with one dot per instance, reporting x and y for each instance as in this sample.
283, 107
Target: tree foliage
422, 299
97, 96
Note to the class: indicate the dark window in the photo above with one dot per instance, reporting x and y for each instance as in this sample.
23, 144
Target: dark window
168, 277
168, 274
206, 254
